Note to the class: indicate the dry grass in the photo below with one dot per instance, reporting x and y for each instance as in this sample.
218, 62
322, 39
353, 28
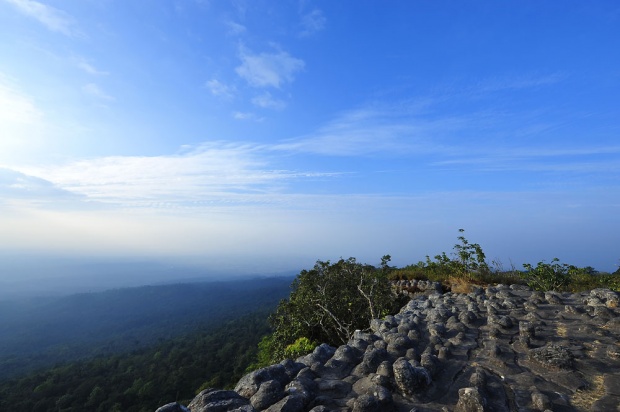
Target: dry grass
583, 399
561, 330
460, 285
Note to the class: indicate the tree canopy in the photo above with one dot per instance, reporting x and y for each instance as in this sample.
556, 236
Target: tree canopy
328, 303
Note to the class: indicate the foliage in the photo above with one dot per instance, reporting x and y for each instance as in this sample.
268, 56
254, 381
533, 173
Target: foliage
470, 257
145, 379
300, 347
549, 276
328, 303
45, 332
467, 261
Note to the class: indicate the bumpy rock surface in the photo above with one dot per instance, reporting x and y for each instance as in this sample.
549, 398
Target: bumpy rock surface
502, 348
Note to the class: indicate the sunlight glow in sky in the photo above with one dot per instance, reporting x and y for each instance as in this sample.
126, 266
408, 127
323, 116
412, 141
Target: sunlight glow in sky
275, 133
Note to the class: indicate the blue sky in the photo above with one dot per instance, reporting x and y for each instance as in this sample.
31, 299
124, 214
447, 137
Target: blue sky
264, 135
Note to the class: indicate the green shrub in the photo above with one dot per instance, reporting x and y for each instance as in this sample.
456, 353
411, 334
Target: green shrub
302, 346
548, 276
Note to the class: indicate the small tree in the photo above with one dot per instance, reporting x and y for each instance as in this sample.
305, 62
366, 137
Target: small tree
470, 257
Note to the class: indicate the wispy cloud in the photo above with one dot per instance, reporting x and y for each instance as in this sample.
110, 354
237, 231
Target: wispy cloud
586, 159
248, 116
312, 23
234, 28
52, 18
220, 89
517, 82
267, 101
94, 90
374, 130
268, 69
89, 68
212, 172
16, 185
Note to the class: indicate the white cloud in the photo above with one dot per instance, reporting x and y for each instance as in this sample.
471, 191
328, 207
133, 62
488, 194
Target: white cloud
16, 185
90, 69
268, 69
95, 91
517, 82
368, 131
267, 101
219, 89
248, 116
312, 23
52, 18
214, 172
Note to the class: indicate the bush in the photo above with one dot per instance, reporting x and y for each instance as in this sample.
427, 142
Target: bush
327, 304
549, 276
302, 346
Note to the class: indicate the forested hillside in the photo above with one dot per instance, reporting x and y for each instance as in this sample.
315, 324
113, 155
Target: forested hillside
146, 378
40, 333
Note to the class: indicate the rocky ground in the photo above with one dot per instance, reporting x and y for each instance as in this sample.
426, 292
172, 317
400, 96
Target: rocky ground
503, 348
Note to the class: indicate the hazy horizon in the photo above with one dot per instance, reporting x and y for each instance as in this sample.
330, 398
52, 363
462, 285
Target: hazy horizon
258, 137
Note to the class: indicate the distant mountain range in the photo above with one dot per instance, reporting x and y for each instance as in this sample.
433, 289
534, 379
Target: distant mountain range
39, 332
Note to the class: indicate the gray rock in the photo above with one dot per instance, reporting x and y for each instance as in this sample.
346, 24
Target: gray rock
212, 400
249, 384
320, 355
370, 361
268, 393
554, 356
173, 407
470, 400
540, 401
291, 403
334, 388
366, 403
410, 380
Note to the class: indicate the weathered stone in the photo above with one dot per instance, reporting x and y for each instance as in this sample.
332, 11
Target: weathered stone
268, 393
478, 379
249, 384
410, 380
366, 403
553, 298
370, 361
290, 403
320, 355
173, 407
470, 400
429, 362
540, 401
527, 330
334, 388
554, 356
212, 400
442, 337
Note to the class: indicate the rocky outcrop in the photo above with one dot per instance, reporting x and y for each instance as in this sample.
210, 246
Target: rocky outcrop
500, 348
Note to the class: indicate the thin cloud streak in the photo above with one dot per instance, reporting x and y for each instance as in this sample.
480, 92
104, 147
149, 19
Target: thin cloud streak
210, 173
52, 18
94, 90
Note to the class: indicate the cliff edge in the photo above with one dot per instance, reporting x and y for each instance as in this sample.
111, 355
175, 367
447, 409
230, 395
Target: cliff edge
503, 348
